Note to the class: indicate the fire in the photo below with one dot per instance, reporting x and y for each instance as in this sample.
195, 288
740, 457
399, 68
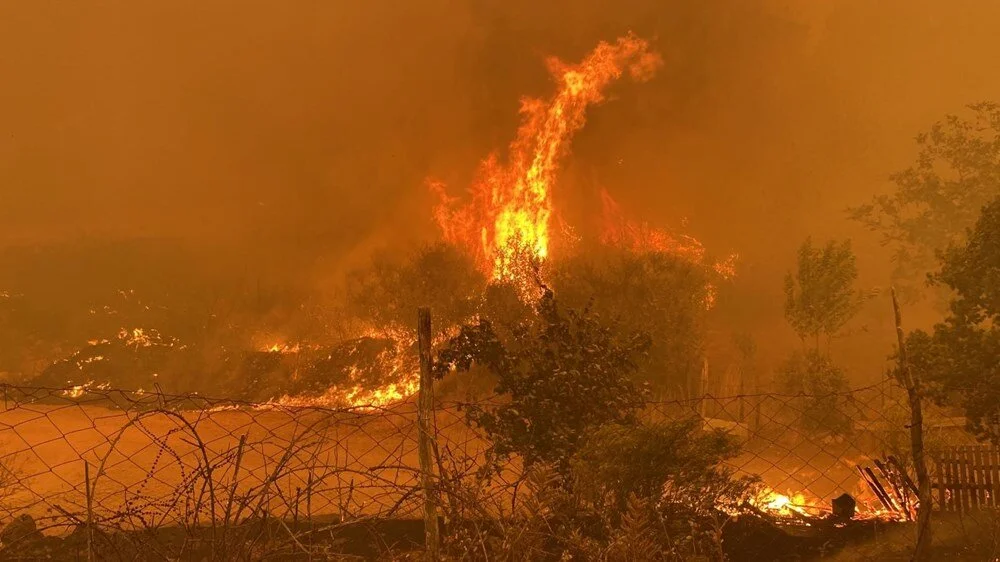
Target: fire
621, 232
282, 348
640, 237
509, 214
782, 505
397, 366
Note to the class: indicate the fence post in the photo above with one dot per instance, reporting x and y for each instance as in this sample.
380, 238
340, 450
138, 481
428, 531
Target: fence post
425, 403
90, 512
911, 381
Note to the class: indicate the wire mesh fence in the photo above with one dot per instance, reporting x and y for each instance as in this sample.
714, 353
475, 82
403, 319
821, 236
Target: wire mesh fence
170, 476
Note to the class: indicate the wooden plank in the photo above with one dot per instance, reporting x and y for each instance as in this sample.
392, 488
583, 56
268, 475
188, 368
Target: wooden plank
995, 473
939, 482
979, 467
992, 481
946, 504
974, 478
946, 479
950, 479
966, 481
960, 480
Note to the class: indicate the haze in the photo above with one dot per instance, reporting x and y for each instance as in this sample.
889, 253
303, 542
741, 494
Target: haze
292, 139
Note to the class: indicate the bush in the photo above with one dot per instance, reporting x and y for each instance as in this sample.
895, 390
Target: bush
822, 383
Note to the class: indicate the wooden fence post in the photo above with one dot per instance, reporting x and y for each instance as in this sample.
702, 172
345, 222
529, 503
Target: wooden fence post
425, 404
911, 381
90, 512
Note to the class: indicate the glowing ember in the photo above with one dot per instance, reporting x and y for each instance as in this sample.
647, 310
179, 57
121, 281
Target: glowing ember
81, 389
283, 348
508, 216
785, 506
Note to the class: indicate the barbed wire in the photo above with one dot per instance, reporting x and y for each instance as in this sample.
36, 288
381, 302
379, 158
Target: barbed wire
228, 472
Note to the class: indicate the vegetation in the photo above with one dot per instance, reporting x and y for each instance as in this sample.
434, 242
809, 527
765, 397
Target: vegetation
388, 291
956, 173
959, 359
565, 375
820, 297
656, 293
822, 384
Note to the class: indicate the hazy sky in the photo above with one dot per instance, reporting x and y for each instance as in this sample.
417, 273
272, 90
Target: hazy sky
311, 125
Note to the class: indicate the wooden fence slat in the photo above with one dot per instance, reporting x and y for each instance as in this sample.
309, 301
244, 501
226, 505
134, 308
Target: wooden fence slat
967, 478
946, 505
980, 468
970, 475
964, 480
938, 480
995, 471
949, 480
993, 474
977, 478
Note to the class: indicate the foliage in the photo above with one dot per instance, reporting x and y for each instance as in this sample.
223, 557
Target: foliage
819, 296
821, 382
659, 294
960, 359
388, 292
564, 374
618, 462
641, 492
937, 198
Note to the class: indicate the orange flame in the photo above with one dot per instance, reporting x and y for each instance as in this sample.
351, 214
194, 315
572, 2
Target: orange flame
510, 209
640, 237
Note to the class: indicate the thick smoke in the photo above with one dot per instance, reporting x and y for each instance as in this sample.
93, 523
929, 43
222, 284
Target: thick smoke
269, 145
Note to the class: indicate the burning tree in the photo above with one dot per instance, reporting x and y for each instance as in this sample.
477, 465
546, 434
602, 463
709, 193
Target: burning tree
510, 207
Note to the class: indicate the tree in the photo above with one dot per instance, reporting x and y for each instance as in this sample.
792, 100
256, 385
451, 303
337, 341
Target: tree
656, 293
936, 199
820, 297
960, 359
564, 374
617, 462
814, 375
388, 291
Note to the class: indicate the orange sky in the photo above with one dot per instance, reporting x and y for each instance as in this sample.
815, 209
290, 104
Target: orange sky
311, 125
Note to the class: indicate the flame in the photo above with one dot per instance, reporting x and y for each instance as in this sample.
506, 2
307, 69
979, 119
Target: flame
508, 217
782, 505
282, 348
638, 237
81, 389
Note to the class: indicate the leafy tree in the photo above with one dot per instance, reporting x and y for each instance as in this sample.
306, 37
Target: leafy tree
937, 198
820, 297
659, 485
564, 374
619, 461
656, 293
960, 359
814, 375
389, 291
